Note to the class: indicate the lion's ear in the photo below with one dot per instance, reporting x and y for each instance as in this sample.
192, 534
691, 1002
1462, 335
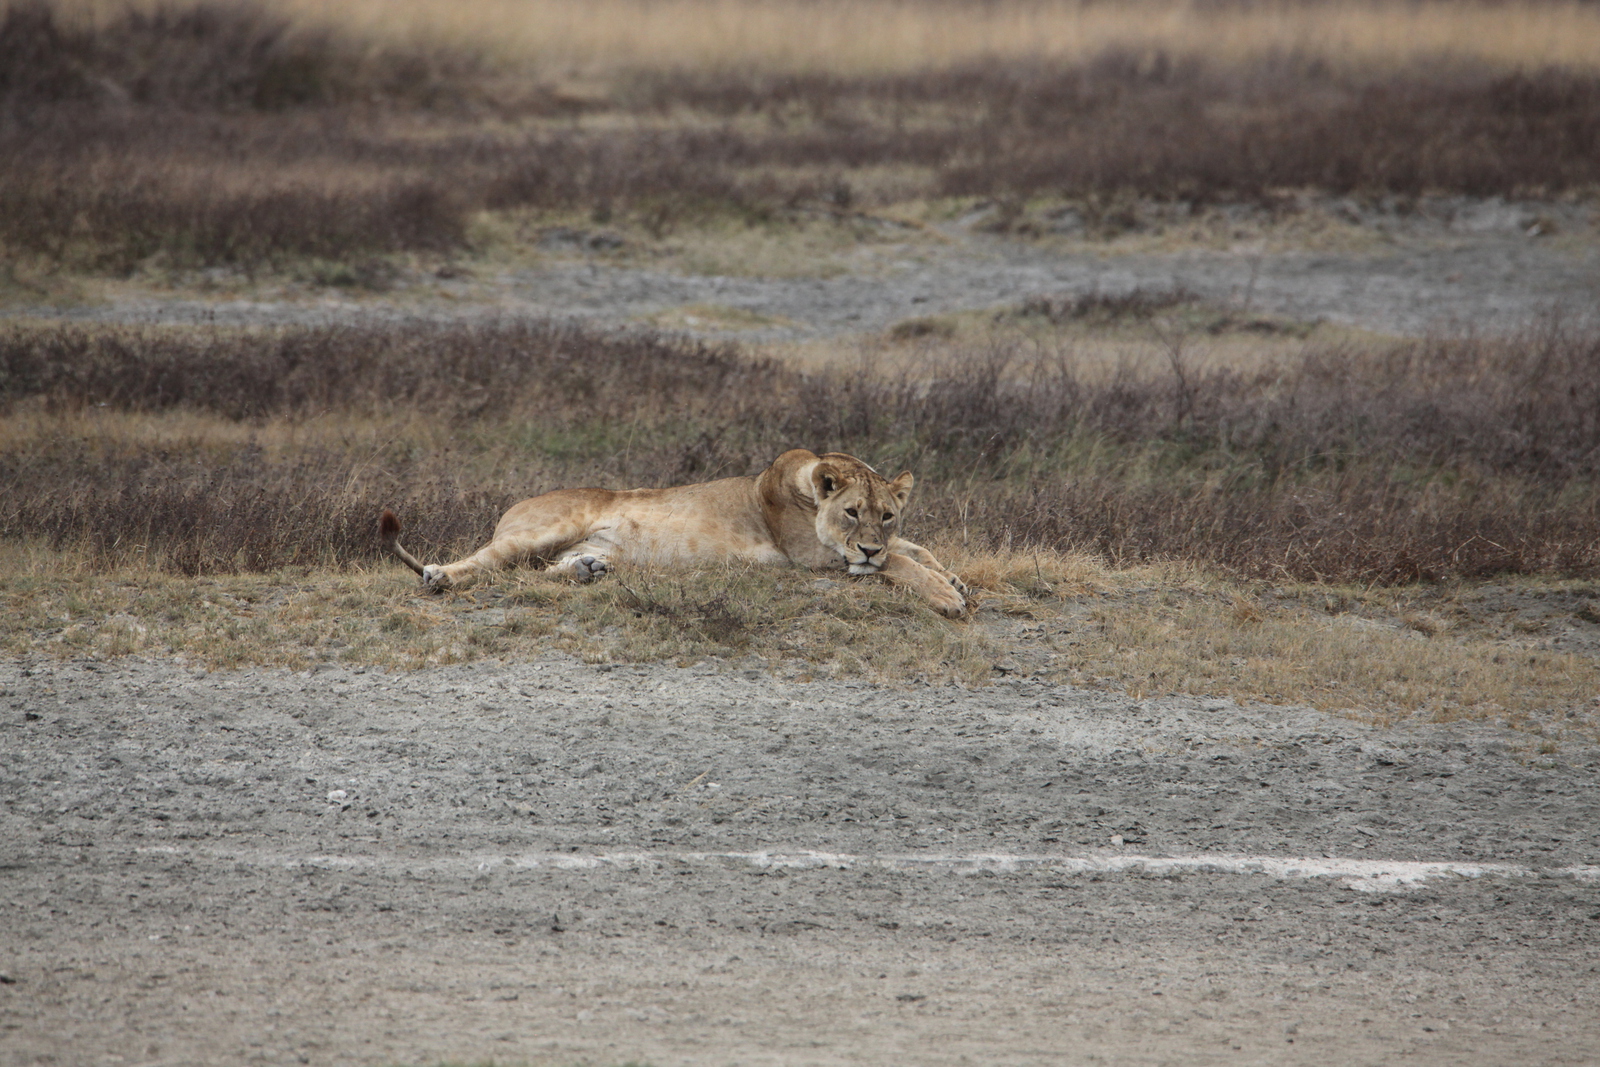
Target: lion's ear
825, 481
901, 487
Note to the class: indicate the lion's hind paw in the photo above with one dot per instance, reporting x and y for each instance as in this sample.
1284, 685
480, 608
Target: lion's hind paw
586, 568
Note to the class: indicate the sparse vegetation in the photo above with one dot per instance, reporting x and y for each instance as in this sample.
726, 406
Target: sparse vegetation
1148, 630
1394, 462
223, 133
300, 618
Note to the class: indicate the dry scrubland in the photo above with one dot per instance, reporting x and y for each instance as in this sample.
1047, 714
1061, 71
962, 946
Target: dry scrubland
154, 470
156, 140
1199, 527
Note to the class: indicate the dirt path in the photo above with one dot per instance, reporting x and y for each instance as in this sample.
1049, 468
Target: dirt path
549, 862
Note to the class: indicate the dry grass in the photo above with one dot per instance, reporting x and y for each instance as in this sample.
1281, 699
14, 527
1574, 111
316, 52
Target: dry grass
879, 36
1385, 462
1523, 654
1149, 631
792, 620
1378, 657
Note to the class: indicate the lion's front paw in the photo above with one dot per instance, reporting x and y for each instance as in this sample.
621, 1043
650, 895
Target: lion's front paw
952, 605
434, 579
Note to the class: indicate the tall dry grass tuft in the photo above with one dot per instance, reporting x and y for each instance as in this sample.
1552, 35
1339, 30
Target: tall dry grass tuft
1389, 463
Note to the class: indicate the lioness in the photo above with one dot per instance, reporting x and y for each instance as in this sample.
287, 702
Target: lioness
826, 512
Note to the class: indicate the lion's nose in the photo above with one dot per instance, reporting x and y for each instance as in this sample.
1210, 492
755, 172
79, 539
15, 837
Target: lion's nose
870, 550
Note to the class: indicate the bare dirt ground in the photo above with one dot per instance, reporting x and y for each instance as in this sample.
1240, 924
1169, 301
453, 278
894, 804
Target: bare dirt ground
548, 862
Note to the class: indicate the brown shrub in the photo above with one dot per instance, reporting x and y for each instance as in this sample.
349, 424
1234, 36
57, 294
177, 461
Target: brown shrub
1464, 456
76, 217
211, 54
240, 510
1373, 526
1181, 128
458, 371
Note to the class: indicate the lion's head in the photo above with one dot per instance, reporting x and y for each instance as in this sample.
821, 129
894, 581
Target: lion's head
857, 509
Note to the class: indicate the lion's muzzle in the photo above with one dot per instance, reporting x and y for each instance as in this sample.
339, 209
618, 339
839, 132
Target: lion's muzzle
870, 561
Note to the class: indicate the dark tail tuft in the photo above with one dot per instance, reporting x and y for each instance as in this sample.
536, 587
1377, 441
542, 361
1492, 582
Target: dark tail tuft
389, 534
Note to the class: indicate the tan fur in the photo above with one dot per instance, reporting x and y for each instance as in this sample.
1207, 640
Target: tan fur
798, 511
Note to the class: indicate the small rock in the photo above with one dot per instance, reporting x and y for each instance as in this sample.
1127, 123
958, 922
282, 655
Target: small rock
1116, 840
337, 796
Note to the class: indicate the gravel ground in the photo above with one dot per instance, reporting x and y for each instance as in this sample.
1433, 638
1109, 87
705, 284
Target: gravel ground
549, 862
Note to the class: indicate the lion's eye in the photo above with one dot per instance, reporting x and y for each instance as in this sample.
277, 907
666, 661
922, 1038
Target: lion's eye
850, 512
888, 516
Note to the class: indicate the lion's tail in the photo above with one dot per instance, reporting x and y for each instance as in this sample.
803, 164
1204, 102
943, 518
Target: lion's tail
389, 534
